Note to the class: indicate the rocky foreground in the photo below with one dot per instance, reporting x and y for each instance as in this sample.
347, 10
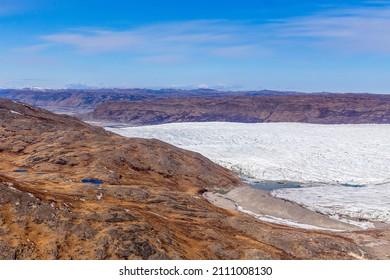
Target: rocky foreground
148, 205
304, 108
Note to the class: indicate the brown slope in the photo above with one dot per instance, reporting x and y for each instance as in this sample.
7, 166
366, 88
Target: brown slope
147, 208
49, 142
309, 108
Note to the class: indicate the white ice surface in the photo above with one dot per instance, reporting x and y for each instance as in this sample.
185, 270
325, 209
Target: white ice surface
321, 156
371, 202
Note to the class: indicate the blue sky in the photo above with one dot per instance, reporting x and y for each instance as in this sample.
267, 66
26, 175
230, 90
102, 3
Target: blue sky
339, 46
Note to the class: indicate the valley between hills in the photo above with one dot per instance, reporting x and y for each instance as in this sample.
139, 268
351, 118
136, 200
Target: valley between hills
149, 202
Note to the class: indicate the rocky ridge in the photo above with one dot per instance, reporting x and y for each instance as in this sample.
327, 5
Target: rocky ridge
76, 100
307, 108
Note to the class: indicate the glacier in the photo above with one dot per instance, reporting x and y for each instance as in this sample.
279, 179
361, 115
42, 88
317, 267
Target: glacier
327, 160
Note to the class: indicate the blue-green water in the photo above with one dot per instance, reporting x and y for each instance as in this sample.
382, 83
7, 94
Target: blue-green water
21, 170
92, 181
271, 185
353, 185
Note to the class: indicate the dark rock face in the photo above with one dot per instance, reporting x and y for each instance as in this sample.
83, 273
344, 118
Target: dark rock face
148, 206
308, 108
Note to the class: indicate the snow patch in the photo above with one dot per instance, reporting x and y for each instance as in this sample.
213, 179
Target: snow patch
14, 112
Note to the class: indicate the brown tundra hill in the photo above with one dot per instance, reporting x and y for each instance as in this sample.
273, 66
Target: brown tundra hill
141, 200
307, 108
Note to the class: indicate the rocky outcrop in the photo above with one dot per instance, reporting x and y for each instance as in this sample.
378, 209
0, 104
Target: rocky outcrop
308, 108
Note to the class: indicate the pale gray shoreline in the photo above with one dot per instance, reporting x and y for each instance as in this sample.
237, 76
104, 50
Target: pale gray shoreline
259, 202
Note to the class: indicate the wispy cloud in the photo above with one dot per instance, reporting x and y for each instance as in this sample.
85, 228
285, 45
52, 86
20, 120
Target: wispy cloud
95, 41
353, 30
167, 42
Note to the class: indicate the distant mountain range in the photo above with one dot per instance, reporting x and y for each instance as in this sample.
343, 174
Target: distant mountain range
90, 98
147, 106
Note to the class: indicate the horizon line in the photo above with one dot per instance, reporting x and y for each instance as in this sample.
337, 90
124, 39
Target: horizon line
37, 89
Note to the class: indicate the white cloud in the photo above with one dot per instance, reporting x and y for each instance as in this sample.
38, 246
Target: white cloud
353, 30
339, 31
96, 41
160, 42
203, 86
